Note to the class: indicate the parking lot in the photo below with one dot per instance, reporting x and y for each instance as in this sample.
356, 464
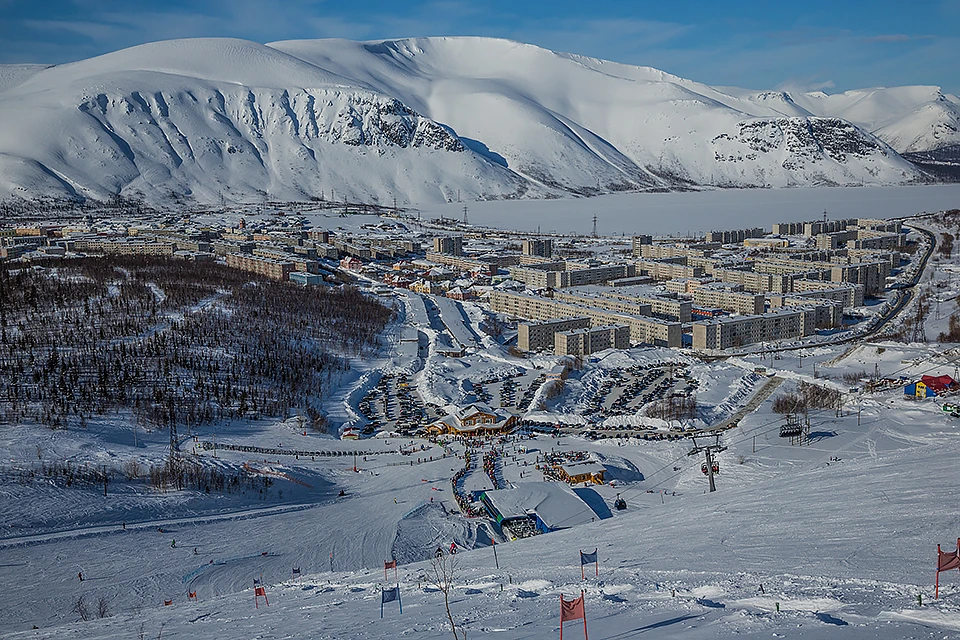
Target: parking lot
621, 392
394, 405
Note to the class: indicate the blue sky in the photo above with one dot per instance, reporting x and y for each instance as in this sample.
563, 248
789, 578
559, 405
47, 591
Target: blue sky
818, 44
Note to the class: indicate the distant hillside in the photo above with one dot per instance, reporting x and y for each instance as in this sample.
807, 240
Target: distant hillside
430, 120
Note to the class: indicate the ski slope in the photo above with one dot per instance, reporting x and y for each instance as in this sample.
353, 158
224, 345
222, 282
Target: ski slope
846, 543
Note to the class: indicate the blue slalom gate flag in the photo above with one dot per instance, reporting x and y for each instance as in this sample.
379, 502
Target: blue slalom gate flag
389, 595
589, 558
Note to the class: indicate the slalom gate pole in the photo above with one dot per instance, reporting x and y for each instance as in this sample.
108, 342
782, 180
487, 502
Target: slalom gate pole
561, 613
583, 603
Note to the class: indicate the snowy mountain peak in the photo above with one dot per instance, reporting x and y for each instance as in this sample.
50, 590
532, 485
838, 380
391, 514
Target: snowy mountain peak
422, 119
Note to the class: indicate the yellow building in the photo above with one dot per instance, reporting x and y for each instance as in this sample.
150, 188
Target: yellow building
581, 472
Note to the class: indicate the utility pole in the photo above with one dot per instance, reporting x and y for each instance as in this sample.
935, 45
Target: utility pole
709, 450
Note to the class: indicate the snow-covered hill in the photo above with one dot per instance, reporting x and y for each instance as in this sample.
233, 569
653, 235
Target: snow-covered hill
429, 120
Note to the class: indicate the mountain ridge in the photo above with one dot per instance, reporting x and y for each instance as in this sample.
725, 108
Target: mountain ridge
431, 120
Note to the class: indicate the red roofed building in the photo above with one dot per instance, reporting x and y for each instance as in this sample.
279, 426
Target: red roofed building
939, 384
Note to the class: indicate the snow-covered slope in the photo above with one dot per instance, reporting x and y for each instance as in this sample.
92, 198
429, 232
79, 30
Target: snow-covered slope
423, 120
909, 119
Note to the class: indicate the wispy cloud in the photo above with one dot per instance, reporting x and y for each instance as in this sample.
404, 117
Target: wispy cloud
896, 37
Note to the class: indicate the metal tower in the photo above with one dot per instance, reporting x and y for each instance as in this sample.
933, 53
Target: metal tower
919, 335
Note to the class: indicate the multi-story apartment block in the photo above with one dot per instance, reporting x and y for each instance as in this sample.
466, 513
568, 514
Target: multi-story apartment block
736, 301
850, 294
732, 332
637, 244
539, 336
659, 270
276, 269
538, 247
450, 245
582, 342
643, 329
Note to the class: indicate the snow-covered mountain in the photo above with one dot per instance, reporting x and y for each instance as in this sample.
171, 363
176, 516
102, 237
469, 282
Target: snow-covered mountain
430, 120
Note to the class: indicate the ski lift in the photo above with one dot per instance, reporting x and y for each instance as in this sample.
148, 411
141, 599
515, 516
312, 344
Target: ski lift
716, 468
620, 504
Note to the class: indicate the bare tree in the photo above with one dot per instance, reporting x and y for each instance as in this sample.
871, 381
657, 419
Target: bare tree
80, 608
103, 610
443, 571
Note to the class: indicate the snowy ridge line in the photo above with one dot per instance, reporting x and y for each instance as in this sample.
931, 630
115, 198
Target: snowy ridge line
245, 448
86, 532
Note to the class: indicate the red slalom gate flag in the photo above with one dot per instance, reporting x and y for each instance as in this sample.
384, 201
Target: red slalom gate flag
257, 593
573, 610
389, 564
946, 561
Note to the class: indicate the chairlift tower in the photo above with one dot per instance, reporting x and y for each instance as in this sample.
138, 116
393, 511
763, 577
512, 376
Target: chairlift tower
709, 450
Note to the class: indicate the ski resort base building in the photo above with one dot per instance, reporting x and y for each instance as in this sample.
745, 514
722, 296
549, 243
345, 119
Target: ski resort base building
473, 420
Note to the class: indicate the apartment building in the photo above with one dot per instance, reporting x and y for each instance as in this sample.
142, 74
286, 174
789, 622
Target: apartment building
300, 263
123, 247
850, 294
756, 282
824, 313
541, 248
582, 342
643, 329
539, 336
736, 236
276, 269
548, 276
736, 301
732, 332
450, 245
870, 274
667, 270
637, 243
462, 263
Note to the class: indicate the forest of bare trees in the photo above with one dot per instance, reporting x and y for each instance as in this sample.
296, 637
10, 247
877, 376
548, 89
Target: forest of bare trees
173, 342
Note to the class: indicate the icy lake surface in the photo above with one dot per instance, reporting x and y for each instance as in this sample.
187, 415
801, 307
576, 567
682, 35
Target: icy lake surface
673, 213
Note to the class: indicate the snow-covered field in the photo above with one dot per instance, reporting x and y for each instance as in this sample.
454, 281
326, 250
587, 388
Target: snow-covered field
683, 213
833, 543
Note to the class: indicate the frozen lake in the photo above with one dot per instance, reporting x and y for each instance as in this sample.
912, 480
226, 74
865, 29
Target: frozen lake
673, 213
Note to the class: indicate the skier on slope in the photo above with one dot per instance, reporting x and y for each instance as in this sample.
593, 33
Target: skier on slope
173, 544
